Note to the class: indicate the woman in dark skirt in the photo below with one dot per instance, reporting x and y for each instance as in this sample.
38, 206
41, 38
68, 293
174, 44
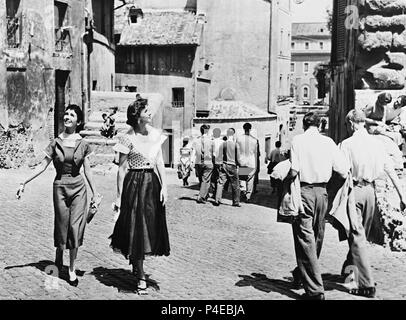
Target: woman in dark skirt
140, 229
69, 152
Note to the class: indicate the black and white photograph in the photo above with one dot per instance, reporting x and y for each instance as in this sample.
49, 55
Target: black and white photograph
223, 151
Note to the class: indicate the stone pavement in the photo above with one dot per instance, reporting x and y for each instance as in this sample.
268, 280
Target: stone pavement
216, 252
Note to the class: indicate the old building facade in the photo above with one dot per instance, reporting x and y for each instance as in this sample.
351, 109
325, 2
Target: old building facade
198, 52
311, 47
45, 57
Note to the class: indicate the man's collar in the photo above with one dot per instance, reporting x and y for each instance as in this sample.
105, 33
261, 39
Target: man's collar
362, 131
312, 130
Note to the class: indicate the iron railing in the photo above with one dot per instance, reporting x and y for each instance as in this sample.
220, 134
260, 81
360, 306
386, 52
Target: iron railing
178, 104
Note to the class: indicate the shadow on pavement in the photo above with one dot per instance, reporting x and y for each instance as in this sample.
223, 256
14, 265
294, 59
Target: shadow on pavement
263, 283
262, 197
121, 279
49, 268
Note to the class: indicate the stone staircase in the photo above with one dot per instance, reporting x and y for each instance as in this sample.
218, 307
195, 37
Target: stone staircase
101, 103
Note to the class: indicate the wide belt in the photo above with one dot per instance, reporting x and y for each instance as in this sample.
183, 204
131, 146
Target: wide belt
321, 185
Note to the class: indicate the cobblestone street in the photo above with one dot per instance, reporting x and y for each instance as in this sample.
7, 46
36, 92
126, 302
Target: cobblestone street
216, 252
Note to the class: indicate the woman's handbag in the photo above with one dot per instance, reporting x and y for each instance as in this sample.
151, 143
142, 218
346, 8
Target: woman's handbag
93, 207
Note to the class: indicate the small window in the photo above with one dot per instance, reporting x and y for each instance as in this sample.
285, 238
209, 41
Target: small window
292, 45
178, 97
306, 45
305, 93
306, 67
321, 45
292, 67
60, 19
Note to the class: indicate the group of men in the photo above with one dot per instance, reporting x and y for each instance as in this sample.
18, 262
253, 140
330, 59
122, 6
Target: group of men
314, 158
224, 160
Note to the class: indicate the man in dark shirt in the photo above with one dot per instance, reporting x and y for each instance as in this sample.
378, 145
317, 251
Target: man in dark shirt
229, 169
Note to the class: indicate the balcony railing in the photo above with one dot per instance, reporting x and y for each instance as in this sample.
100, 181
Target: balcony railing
13, 32
62, 40
178, 104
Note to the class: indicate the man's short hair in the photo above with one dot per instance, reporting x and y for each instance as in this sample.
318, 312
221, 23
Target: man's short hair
311, 119
247, 126
355, 116
278, 144
204, 128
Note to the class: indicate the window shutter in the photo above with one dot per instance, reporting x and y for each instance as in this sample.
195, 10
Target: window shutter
339, 30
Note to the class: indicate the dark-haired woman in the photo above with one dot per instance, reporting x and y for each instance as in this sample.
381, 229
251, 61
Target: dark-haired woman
69, 152
141, 228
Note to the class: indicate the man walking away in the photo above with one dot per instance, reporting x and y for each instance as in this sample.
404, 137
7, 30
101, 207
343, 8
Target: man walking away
248, 146
218, 158
229, 169
274, 158
368, 161
313, 157
203, 147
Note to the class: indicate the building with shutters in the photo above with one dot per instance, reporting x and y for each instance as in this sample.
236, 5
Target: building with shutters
46, 52
310, 48
368, 56
343, 58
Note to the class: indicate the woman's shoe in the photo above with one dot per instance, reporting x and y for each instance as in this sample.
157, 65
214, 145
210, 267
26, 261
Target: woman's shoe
75, 282
369, 292
142, 287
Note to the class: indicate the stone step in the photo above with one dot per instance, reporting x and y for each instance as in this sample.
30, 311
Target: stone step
94, 125
96, 116
101, 141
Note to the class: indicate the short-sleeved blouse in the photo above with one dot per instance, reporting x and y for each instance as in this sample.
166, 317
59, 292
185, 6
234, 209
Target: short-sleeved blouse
142, 151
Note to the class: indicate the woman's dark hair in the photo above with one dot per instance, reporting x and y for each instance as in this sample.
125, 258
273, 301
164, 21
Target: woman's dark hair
134, 110
79, 114
311, 119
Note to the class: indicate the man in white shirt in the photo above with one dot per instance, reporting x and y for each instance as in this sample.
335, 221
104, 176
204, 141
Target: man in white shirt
313, 157
368, 161
248, 146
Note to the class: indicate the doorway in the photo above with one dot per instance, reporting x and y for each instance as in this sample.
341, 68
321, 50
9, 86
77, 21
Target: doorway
61, 79
167, 149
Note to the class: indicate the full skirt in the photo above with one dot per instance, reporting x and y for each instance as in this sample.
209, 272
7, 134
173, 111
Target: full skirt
141, 225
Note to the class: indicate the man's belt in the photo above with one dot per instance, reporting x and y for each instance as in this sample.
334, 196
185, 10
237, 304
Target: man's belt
362, 183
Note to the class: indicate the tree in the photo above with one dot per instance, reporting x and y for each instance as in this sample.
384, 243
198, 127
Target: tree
322, 75
329, 20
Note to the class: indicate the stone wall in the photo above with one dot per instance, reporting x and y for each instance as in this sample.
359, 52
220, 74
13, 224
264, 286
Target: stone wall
382, 45
237, 50
27, 76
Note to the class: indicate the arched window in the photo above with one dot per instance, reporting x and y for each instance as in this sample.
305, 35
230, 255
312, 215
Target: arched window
305, 92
